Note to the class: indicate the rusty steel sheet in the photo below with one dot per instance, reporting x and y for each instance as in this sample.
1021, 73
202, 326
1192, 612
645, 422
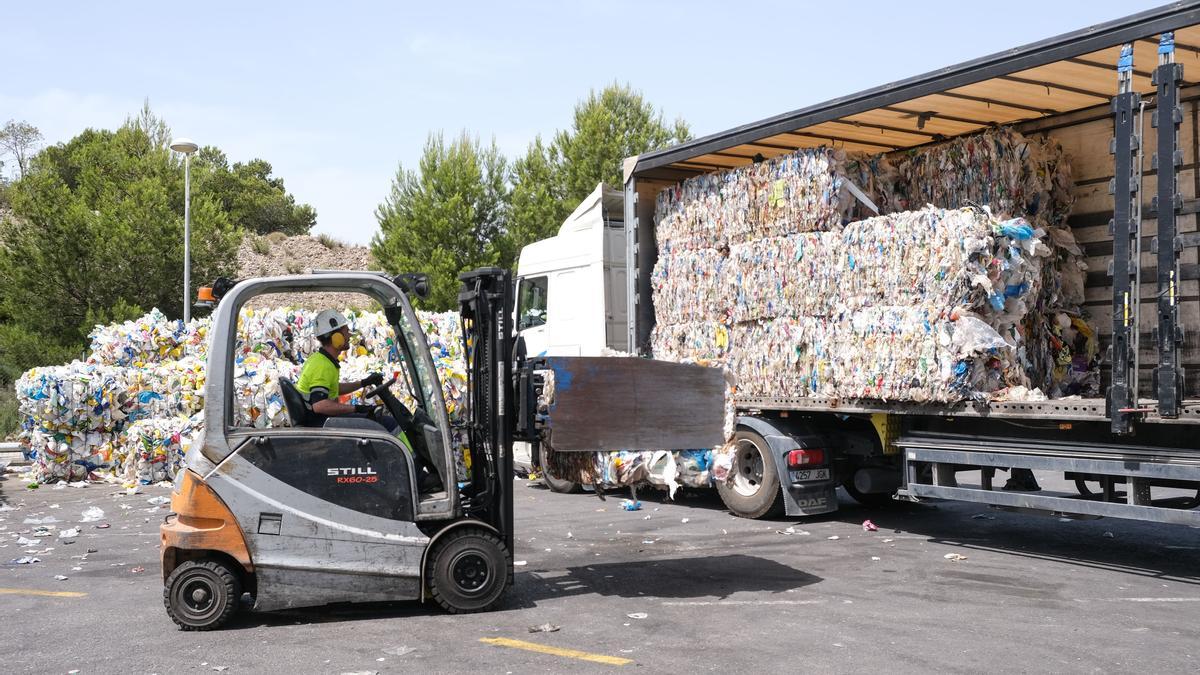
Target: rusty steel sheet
627, 403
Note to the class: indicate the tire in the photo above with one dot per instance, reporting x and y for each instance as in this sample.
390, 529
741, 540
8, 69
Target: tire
752, 490
202, 594
878, 499
468, 571
563, 487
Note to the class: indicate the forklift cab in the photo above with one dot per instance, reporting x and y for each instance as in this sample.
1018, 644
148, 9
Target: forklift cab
304, 516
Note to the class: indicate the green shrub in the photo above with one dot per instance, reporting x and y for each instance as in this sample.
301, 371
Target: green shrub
277, 237
10, 416
329, 242
293, 267
261, 245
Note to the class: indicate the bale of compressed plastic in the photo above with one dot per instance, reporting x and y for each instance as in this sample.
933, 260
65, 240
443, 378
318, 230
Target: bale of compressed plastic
144, 378
916, 306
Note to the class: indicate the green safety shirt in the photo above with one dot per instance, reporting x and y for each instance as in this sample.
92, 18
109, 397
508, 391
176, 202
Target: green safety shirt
321, 376
320, 379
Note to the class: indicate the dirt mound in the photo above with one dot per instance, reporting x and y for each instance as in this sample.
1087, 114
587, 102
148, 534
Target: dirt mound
277, 254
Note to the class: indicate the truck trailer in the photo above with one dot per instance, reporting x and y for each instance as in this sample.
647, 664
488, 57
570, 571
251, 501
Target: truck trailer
1123, 101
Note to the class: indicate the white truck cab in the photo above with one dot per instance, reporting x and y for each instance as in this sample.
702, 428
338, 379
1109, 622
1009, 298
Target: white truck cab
571, 294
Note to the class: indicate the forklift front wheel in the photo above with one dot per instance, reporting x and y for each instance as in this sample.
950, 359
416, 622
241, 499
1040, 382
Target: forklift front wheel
202, 594
468, 571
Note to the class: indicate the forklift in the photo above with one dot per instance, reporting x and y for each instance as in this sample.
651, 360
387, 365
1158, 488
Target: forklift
301, 516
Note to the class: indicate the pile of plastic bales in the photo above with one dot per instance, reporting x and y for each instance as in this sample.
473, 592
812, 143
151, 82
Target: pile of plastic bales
133, 405
975, 296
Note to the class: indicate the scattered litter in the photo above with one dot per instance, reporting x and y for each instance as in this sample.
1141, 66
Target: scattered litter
69, 534
637, 615
76, 569
220, 669
570, 536
631, 505
41, 521
159, 501
544, 628
954, 557
26, 560
92, 514
833, 537
59, 577
102, 526
399, 651
983, 516
868, 526
649, 541
888, 541
138, 570
519, 563
645, 517
22, 541
875, 558
1108, 535
684, 520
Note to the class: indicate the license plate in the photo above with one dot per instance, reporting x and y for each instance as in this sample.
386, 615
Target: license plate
809, 474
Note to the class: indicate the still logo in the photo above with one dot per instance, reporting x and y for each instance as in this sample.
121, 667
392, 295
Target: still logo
352, 474
350, 471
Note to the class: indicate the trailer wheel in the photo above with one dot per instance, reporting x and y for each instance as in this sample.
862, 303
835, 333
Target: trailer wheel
202, 594
752, 490
468, 571
558, 485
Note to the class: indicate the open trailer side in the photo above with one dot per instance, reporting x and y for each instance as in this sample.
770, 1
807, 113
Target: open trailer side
1132, 136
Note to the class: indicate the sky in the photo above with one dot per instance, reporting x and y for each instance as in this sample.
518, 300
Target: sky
339, 95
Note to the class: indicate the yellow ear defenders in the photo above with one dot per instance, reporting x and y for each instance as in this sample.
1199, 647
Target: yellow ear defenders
337, 340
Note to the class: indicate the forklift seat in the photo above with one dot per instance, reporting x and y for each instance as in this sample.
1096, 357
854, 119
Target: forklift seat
294, 402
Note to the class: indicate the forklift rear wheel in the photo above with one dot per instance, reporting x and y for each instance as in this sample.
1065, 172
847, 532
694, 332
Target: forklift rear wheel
202, 594
752, 490
468, 571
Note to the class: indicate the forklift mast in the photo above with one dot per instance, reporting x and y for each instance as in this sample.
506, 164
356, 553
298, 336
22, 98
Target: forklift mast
486, 302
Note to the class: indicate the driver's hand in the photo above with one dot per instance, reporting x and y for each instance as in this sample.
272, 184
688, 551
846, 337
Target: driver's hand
373, 380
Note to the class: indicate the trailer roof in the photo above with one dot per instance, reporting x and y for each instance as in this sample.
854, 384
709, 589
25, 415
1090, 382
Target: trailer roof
1057, 75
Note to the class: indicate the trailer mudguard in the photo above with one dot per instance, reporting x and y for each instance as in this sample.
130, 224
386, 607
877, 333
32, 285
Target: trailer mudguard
810, 498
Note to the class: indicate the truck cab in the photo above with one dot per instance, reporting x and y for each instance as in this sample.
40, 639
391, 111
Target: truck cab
571, 288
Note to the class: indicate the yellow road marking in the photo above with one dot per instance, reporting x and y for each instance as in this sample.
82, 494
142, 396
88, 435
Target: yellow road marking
557, 651
51, 594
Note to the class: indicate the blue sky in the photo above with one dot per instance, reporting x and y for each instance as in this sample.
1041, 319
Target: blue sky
337, 95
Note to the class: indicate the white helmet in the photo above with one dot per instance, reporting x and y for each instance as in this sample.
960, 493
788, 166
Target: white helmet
330, 320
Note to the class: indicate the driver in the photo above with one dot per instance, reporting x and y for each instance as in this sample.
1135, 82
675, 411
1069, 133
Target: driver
320, 384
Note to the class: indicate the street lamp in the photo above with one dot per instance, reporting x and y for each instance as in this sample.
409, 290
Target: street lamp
187, 146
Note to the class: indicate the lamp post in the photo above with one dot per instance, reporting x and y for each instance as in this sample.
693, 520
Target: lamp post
187, 147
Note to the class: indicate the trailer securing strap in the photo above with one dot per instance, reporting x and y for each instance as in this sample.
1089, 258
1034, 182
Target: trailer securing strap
1166, 43
1125, 61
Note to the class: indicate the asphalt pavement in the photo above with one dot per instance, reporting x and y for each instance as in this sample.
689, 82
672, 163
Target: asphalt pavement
675, 587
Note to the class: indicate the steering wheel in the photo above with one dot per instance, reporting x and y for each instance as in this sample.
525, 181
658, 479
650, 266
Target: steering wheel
376, 391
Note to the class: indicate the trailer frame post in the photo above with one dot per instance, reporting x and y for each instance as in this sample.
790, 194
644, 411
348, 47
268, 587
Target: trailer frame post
1122, 394
1168, 375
